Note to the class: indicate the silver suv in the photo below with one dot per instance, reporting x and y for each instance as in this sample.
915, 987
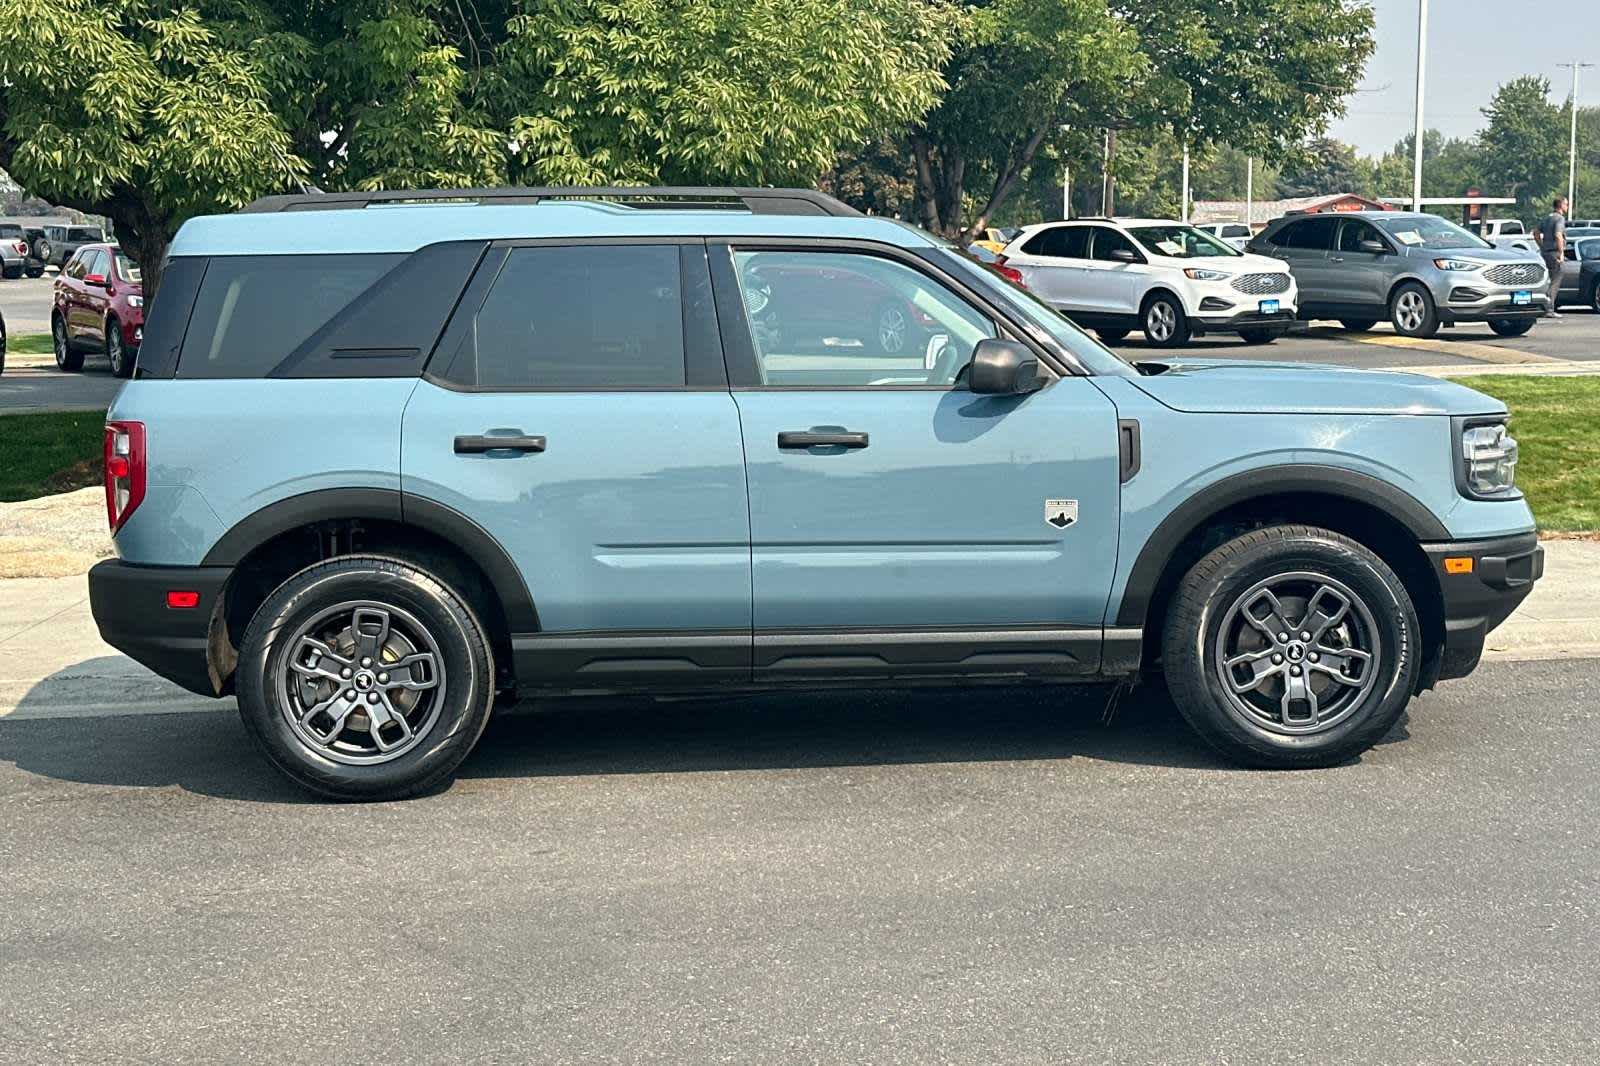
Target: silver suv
1417, 270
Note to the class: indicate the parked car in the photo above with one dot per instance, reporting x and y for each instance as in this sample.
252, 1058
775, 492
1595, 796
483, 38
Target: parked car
61, 243
1580, 273
1504, 233
1173, 281
613, 481
995, 238
1417, 270
98, 306
1234, 234
15, 237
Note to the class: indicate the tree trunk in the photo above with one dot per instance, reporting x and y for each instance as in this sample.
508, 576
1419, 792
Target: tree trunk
142, 235
1004, 183
927, 195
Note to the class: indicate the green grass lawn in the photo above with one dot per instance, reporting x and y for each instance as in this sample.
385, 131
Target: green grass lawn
1556, 421
41, 454
29, 344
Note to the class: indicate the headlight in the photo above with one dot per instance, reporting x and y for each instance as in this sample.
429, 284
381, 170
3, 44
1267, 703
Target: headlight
1202, 274
1457, 264
136, 301
1489, 460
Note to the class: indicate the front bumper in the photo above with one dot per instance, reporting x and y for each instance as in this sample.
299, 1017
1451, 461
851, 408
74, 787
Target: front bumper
1281, 321
1502, 574
1484, 302
129, 604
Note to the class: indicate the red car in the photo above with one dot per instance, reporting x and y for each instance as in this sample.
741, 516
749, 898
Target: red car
98, 306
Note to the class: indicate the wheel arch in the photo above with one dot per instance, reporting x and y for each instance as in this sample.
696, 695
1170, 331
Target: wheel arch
284, 537
1406, 279
1387, 520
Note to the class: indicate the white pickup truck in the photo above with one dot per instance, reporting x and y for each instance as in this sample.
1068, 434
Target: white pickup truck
1505, 233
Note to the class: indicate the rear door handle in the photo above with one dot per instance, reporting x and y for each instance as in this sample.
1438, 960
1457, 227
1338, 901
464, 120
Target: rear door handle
487, 443
1335, 258
821, 439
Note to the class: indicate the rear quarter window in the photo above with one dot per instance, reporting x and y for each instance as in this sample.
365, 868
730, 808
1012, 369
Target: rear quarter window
253, 311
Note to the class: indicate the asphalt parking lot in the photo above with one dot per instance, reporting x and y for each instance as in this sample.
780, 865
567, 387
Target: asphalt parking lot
978, 876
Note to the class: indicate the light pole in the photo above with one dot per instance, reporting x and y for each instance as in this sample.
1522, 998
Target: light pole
1249, 190
1422, 66
1572, 142
1184, 212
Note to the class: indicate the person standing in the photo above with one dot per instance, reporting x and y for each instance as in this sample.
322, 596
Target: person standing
1553, 246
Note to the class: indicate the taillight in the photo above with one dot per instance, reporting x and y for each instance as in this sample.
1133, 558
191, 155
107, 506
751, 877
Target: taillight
1011, 274
125, 470
22, 247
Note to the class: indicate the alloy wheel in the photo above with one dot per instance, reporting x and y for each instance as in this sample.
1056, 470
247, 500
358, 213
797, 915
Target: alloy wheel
1297, 653
362, 683
58, 336
1160, 322
115, 352
1410, 311
892, 329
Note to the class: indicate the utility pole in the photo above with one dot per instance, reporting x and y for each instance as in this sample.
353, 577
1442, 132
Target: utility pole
1422, 66
1572, 142
1066, 192
1108, 184
1184, 213
1249, 189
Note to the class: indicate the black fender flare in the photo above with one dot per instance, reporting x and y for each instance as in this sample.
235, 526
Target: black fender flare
1253, 484
392, 506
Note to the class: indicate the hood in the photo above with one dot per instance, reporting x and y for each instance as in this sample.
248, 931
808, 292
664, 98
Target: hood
1262, 264
1488, 255
1239, 386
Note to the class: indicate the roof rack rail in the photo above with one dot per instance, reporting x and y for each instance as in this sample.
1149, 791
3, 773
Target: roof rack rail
758, 201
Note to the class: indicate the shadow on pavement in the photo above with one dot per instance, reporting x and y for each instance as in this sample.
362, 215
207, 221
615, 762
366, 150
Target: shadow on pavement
209, 753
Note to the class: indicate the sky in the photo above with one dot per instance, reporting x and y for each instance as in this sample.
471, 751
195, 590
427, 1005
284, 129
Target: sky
1473, 46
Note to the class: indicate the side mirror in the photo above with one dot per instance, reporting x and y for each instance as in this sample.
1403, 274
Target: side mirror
1003, 368
96, 280
1123, 255
1373, 247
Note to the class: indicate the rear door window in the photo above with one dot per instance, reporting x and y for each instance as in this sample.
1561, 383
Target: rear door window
254, 310
1064, 242
579, 317
1313, 234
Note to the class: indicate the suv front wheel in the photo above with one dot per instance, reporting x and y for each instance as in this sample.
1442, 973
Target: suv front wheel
1411, 311
1290, 647
1165, 324
365, 678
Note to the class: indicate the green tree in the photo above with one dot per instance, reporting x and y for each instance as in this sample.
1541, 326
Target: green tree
1525, 142
1320, 167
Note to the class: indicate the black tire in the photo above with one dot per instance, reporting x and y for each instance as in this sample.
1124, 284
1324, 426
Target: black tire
41, 251
35, 272
2, 344
1223, 581
408, 594
1172, 332
1420, 319
117, 353
1594, 296
13, 273
1510, 327
1260, 336
1112, 336
1358, 325
68, 358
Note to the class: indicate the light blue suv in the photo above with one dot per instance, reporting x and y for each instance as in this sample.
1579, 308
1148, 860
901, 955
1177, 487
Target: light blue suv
387, 456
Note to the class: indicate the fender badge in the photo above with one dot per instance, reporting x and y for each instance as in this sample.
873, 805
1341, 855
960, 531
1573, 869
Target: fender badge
1061, 513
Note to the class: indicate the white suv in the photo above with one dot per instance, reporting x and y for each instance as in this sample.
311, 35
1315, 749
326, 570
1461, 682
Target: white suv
1170, 280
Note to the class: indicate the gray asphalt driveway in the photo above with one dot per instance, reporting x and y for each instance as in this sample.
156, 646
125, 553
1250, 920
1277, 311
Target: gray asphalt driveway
908, 877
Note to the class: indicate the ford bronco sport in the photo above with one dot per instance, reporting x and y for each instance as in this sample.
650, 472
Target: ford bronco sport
387, 455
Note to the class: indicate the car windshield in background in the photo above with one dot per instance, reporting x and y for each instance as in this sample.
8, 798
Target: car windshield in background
1589, 249
87, 236
1430, 231
1180, 242
128, 270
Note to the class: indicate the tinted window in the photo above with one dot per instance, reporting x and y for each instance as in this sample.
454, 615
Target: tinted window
79, 233
1069, 242
1236, 231
830, 319
254, 310
581, 317
1589, 249
74, 267
1107, 240
1313, 234
1353, 233
1512, 229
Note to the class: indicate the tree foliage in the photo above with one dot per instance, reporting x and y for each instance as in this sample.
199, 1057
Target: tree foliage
1524, 145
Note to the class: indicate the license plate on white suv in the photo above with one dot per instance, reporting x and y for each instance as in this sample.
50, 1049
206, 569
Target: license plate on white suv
1521, 298
1269, 307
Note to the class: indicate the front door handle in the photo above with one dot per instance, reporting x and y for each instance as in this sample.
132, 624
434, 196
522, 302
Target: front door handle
488, 443
1335, 258
821, 439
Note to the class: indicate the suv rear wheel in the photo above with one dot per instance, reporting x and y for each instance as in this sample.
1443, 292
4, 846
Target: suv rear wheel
67, 358
1291, 646
1411, 311
365, 678
1165, 324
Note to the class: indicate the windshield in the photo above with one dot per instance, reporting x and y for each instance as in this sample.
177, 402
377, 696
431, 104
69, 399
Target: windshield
1180, 242
86, 235
1047, 324
1429, 231
1589, 249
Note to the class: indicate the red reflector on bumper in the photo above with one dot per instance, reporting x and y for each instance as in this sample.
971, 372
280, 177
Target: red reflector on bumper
183, 599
